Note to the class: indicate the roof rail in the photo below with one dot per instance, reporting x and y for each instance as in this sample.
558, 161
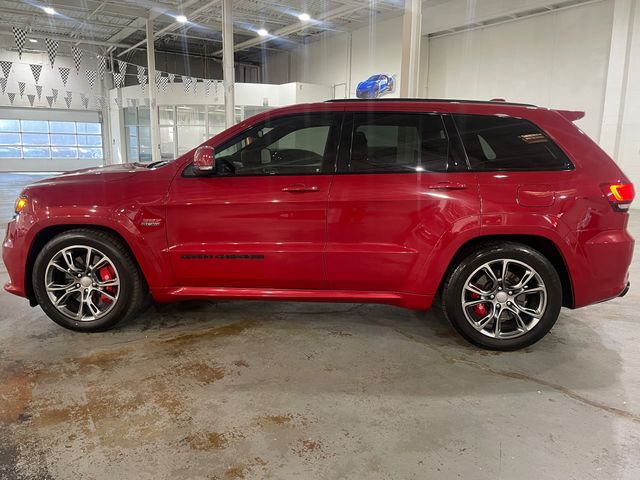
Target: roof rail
427, 100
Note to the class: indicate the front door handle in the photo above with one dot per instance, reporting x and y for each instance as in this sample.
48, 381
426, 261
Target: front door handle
300, 187
448, 186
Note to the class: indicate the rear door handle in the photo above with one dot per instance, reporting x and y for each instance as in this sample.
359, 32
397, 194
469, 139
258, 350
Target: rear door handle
299, 188
448, 186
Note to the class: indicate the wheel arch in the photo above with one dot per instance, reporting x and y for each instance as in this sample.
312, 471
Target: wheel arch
47, 233
544, 245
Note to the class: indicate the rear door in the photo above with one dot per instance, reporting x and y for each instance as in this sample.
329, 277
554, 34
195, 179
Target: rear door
402, 185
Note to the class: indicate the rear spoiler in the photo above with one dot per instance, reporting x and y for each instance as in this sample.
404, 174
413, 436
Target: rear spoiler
571, 115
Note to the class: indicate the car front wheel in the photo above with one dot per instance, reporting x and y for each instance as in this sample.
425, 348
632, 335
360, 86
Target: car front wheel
504, 296
87, 280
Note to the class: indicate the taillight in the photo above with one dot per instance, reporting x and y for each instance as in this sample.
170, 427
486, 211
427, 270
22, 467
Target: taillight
620, 195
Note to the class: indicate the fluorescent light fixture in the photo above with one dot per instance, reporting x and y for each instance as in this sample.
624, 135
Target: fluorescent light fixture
262, 32
49, 10
304, 17
33, 40
181, 19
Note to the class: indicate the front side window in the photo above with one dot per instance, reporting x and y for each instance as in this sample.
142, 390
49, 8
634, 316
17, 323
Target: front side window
292, 145
506, 143
398, 142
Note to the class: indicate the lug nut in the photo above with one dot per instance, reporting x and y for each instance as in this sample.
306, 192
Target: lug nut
510, 293
493, 296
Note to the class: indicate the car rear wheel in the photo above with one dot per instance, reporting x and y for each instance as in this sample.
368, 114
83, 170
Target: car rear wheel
504, 296
87, 280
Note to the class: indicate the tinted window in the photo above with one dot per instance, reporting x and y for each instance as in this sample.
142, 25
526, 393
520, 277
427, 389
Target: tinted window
505, 143
397, 142
293, 145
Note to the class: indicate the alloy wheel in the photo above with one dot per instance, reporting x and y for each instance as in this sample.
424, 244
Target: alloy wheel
504, 298
82, 283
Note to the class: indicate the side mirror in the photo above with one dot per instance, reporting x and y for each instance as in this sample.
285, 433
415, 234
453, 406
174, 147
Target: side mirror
204, 160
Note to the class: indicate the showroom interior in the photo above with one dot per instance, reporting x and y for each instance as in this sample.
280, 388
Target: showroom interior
235, 389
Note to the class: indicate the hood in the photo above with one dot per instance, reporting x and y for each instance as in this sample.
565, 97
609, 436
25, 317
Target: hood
109, 173
368, 84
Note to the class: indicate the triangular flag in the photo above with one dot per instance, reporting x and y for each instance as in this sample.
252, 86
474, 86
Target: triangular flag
76, 53
36, 70
64, 74
141, 72
118, 101
122, 67
172, 77
118, 79
6, 68
52, 50
207, 87
3, 84
85, 102
12, 97
21, 86
31, 98
186, 83
39, 91
143, 82
49, 100
67, 100
158, 77
69, 94
102, 65
163, 83
194, 84
21, 36
54, 92
91, 77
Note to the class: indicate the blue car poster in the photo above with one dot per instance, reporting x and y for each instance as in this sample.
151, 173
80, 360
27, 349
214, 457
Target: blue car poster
376, 86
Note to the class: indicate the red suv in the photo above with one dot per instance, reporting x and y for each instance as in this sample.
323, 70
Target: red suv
504, 212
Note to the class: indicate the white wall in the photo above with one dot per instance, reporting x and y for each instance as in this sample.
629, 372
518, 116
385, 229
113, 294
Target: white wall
374, 49
556, 60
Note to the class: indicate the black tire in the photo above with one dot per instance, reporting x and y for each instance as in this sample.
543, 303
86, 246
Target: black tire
132, 289
452, 295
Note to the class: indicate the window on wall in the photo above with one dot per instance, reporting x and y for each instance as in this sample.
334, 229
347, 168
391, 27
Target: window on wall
137, 134
49, 139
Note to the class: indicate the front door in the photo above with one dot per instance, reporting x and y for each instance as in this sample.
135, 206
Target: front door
401, 188
261, 221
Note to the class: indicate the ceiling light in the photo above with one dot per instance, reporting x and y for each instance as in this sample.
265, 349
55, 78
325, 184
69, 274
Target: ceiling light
262, 32
181, 19
33, 40
304, 17
49, 10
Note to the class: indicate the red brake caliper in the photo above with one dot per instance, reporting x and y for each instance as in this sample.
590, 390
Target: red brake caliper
480, 308
106, 274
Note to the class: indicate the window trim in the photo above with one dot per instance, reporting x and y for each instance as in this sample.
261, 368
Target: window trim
344, 155
570, 163
334, 139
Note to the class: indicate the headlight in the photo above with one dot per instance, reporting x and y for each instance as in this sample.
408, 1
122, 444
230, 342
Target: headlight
21, 202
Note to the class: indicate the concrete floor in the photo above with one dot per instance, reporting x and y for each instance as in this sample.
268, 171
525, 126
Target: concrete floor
228, 390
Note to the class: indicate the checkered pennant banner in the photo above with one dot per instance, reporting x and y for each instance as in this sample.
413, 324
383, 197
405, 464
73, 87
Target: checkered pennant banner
91, 77
21, 87
3, 84
118, 79
21, 36
68, 100
36, 70
52, 50
141, 73
39, 91
12, 97
76, 53
122, 67
186, 83
85, 101
6, 68
54, 93
49, 100
163, 82
207, 87
64, 74
31, 98
102, 65
172, 77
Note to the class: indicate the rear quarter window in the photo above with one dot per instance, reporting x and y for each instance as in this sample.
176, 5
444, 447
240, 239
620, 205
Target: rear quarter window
507, 143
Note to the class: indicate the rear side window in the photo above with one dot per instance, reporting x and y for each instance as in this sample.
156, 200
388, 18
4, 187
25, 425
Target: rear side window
506, 143
398, 142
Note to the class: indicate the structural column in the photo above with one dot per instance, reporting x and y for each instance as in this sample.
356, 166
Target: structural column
411, 36
153, 107
228, 74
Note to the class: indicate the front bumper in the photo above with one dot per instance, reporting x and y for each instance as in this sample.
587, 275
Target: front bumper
14, 259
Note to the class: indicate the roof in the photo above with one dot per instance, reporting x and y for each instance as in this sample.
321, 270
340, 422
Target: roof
432, 100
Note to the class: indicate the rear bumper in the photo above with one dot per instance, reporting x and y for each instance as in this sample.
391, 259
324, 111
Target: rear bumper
604, 270
626, 290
